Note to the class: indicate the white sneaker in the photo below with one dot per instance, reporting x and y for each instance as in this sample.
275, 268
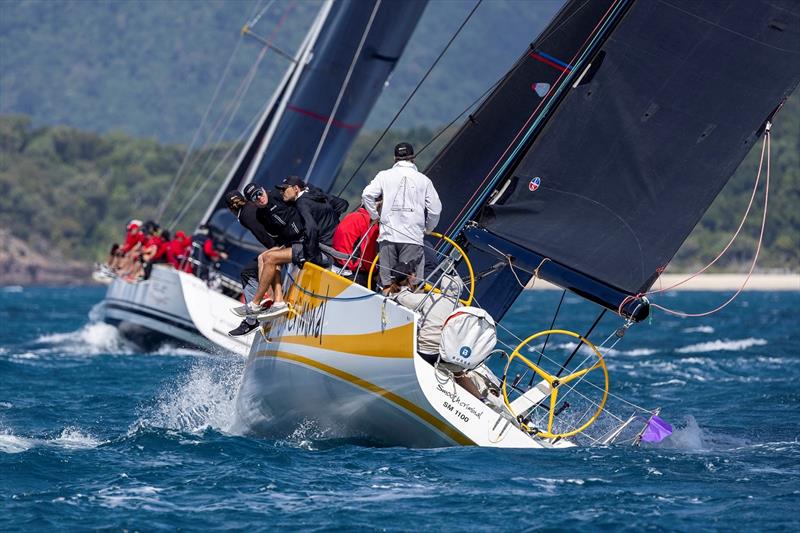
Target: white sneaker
250, 309
276, 310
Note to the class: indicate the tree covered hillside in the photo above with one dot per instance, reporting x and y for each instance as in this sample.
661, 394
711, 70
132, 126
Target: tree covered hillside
150, 68
73, 190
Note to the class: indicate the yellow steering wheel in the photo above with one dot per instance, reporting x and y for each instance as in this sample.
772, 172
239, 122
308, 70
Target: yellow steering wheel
556, 382
458, 248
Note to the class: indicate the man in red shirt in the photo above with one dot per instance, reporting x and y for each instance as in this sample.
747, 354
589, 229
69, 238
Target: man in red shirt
177, 249
357, 230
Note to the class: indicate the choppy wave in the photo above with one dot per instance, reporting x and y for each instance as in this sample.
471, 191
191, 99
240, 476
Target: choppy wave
202, 399
699, 329
691, 437
71, 438
92, 339
720, 345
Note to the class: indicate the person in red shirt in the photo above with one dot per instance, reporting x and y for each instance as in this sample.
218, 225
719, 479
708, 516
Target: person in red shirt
129, 251
357, 230
176, 249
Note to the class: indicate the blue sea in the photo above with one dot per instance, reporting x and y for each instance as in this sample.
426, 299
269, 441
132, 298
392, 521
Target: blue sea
97, 435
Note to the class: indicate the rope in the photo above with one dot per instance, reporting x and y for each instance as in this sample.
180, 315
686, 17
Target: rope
755, 257
230, 112
211, 175
765, 148
410, 96
326, 297
342, 90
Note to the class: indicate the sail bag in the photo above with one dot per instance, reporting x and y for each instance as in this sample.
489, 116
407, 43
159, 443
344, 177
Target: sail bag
468, 337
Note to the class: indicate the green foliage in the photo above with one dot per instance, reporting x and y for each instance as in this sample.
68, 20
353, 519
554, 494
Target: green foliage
74, 190
150, 68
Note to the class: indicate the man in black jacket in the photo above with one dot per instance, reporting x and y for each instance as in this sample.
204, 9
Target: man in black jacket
273, 223
320, 218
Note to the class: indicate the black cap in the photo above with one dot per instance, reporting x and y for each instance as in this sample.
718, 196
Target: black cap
251, 191
402, 271
291, 181
404, 151
234, 199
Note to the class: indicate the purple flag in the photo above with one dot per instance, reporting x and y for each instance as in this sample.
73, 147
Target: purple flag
656, 430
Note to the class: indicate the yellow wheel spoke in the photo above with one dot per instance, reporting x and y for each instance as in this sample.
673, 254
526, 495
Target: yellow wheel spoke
553, 400
579, 373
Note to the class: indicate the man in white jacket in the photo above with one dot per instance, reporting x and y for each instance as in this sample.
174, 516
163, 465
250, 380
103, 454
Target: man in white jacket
411, 209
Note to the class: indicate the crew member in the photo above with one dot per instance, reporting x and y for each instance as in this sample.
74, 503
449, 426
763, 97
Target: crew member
434, 308
357, 230
319, 222
411, 208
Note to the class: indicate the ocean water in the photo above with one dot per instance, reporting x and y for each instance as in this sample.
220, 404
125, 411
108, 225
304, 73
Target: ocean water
96, 435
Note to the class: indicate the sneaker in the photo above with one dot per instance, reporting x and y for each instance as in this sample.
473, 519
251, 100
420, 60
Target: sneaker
250, 309
243, 329
276, 310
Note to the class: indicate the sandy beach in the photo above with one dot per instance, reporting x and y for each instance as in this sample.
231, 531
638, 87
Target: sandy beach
715, 282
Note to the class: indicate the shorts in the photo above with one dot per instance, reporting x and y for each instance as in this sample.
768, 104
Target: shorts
393, 253
299, 257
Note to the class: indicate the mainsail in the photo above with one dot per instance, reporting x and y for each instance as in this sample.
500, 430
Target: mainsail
320, 105
632, 141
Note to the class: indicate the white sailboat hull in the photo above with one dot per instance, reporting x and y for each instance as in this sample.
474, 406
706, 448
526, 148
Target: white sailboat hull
345, 367
154, 311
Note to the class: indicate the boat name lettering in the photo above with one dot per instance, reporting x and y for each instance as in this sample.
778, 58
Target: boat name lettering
307, 320
457, 401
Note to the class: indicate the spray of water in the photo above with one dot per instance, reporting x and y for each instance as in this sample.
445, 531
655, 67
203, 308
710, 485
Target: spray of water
201, 399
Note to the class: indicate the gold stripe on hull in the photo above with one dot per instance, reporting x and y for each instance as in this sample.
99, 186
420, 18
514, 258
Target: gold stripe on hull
375, 389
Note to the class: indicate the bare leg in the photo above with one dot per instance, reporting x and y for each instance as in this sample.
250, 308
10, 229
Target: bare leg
277, 287
267, 268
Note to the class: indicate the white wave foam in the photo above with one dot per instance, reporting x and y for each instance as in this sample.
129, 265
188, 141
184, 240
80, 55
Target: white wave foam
13, 288
10, 443
129, 496
71, 438
92, 339
722, 345
75, 439
202, 399
699, 329
691, 437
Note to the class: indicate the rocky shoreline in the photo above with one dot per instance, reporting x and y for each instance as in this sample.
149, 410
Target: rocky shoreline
20, 264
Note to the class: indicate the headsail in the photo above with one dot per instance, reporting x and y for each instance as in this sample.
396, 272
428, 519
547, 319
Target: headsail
607, 184
349, 53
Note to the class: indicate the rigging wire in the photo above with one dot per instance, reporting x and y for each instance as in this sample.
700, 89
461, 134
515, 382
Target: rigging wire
410, 96
211, 175
165, 201
230, 112
342, 90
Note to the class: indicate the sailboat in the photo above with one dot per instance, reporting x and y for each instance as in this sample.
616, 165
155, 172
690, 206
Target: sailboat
587, 166
306, 128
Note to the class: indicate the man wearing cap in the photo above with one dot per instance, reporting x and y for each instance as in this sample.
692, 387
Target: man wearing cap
411, 208
272, 224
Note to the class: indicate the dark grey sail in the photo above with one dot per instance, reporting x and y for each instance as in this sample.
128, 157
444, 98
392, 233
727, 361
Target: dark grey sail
351, 56
601, 191
472, 162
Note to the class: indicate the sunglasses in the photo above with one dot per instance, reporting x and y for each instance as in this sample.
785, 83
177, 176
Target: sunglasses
256, 194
